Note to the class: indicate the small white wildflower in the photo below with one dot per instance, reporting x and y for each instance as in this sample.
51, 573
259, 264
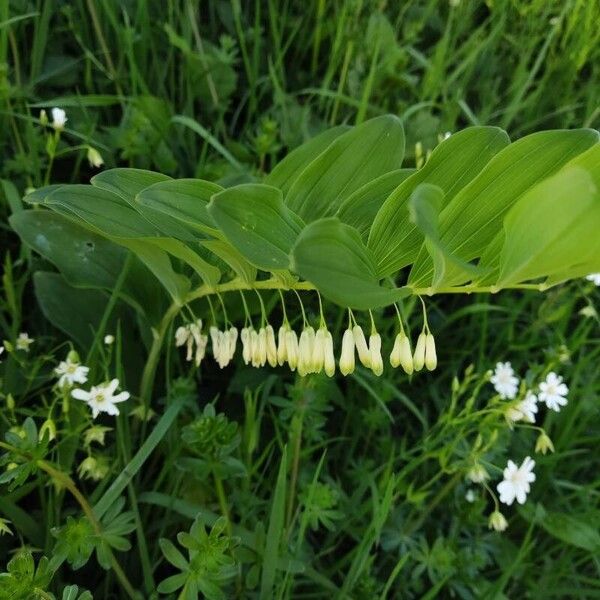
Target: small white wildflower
24, 341
306, 346
516, 481
102, 398
470, 496
497, 522
94, 158
595, 278
347, 355
329, 360
109, 339
59, 118
477, 473
70, 372
246, 346
318, 353
281, 345
553, 392
361, 346
182, 335
504, 381
420, 349
525, 410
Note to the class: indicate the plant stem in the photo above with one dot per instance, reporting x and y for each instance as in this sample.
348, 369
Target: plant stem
223, 502
295, 469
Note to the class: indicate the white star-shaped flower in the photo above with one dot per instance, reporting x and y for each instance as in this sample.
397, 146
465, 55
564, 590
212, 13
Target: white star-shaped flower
594, 277
516, 481
504, 381
24, 341
553, 392
102, 398
71, 372
525, 410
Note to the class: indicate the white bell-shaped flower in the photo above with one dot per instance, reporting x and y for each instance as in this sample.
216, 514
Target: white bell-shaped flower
419, 355
292, 349
430, 353
271, 346
329, 356
362, 348
375, 354
347, 363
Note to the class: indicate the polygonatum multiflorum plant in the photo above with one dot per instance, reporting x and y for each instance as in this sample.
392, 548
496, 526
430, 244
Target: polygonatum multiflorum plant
339, 215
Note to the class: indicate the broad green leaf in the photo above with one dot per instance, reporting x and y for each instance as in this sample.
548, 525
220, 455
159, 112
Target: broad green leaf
424, 208
578, 532
285, 173
87, 259
76, 312
105, 211
353, 159
394, 240
470, 222
255, 220
552, 228
128, 183
184, 200
40, 195
359, 209
227, 253
332, 256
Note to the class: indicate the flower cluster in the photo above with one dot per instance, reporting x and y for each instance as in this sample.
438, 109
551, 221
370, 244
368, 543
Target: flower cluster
310, 352
552, 392
517, 480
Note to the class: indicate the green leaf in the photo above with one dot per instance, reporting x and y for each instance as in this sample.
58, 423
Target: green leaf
274, 533
470, 222
359, 209
226, 252
554, 227
581, 533
424, 207
351, 160
76, 312
285, 173
394, 241
332, 256
255, 220
184, 200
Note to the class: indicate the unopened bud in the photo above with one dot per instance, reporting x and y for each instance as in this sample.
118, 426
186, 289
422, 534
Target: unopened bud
419, 355
48, 428
347, 354
497, 522
544, 443
375, 354
430, 353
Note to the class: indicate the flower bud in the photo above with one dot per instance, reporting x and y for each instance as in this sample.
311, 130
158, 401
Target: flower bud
232, 336
497, 521
305, 351
59, 119
94, 157
292, 349
361, 346
271, 347
43, 117
281, 346
109, 339
430, 353
375, 354
477, 474
48, 428
347, 354
329, 359
419, 355
73, 357
544, 443
401, 353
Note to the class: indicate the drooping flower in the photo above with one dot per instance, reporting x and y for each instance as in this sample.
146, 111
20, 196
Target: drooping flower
102, 398
93, 468
329, 360
470, 496
271, 346
305, 351
544, 443
594, 277
70, 372
94, 157
525, 410
24, 341
347, 361
504, 381
59, 118
375, 354
200, 340
419, 355
48, 429
281, 344
516, 481
292, 348
362, 348
318, 354
402, 354
553, 392
95, 433
497, 522
430, 353
109, 339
